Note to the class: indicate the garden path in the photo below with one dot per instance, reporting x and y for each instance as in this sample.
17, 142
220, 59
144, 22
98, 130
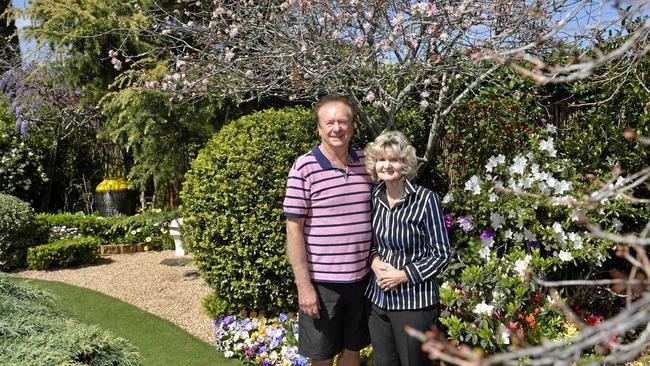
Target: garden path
157, 282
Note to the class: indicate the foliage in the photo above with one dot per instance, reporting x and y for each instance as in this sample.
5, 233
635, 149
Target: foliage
33, 333
64, 253
497, 119
145, 120
232, 208
150, 227
489, 298
16, 231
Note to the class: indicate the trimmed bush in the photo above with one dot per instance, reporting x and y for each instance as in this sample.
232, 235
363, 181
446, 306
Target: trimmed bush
64, 253
16, 231
232, 209
33, 333
150, 228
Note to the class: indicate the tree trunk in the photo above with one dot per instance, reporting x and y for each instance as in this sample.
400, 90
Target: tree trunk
51, 169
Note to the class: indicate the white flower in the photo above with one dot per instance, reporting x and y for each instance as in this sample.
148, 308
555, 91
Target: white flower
494, 161
618, 225
529, 235
483, 308
547, 145
493, 197
445, 285
507, 234
562, 186
504, 333
497, 220
228, 354
557, 228
487, 242
519, 163
551, 129
473, 185
148, 239
484, 252
449, 197
565, 256
521, 265
518, 237
576, 239
424, 104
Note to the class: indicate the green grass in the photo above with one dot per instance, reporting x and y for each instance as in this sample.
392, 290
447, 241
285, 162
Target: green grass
159, 341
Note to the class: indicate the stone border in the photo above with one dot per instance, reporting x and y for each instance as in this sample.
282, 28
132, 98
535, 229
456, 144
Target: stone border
121, 248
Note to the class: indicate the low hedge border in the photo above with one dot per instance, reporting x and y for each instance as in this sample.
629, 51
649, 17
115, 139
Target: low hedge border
64, 253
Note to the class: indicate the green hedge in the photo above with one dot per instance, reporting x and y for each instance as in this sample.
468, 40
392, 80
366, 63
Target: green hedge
113, 230
64, 253
232, 209
33, 333
17, 231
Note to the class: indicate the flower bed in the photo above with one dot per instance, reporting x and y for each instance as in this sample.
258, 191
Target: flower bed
258, 340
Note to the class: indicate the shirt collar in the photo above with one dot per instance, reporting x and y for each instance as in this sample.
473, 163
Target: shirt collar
324, 162
408, 188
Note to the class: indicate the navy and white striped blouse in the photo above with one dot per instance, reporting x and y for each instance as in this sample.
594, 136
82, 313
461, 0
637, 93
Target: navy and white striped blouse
411, 237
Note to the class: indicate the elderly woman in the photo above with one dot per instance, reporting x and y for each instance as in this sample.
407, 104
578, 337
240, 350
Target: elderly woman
410, 249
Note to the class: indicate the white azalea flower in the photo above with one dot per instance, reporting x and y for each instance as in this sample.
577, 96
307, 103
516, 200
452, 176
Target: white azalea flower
565, 256
494, 161
618, 225
576, 239
483, 308
521, 265
547, 145
529, 235
507, 234
497, 221
518, 237
519, 163
504, 333
551, 129
493, 197
473, 185
449, 197
562, 186
557, 228
484, 253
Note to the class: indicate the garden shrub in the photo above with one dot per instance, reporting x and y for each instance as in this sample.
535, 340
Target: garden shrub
33, 333
16, 231
21, 159
150, 227
64, 253
232, 209
488, 295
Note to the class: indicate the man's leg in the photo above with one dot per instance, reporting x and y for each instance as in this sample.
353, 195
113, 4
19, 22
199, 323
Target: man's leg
348, 358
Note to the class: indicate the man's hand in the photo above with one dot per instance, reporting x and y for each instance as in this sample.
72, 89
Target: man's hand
308, 300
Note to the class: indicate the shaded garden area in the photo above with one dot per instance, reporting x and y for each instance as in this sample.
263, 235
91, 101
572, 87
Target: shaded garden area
532, 121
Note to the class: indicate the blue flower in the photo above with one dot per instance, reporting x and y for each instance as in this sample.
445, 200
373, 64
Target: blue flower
283, 317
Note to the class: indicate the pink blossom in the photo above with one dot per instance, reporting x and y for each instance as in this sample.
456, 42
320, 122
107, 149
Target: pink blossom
359, 41
228, 55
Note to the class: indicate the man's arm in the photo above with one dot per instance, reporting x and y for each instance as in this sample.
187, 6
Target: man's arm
307, 296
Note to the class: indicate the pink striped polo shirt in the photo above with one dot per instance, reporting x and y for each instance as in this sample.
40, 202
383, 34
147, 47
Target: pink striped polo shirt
336, 207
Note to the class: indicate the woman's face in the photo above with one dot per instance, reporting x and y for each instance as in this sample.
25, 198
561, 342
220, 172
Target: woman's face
389, 166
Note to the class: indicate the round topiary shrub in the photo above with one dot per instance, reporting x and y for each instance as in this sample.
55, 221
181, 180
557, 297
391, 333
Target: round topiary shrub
232, 209
16, 231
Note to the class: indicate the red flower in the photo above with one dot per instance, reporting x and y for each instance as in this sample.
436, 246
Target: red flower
594, 319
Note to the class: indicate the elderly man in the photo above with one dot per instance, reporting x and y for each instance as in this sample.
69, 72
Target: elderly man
329, 232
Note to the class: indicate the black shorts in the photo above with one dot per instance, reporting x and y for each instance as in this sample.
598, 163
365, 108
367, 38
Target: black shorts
343, 322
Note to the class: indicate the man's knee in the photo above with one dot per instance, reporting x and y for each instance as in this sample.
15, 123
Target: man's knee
348, 358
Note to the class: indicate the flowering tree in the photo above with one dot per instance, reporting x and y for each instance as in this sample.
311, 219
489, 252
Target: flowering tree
385, 52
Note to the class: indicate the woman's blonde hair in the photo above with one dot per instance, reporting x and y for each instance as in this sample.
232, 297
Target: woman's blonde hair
400, 146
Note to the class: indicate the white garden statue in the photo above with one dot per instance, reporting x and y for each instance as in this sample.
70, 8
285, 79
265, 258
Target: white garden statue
176, 232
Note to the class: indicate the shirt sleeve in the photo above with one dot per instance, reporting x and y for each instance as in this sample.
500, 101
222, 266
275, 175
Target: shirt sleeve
297, 199
437, 242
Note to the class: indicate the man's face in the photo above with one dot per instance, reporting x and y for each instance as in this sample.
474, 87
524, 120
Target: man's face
335, 125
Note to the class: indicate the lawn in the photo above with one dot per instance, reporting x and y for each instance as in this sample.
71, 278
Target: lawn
159, 341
